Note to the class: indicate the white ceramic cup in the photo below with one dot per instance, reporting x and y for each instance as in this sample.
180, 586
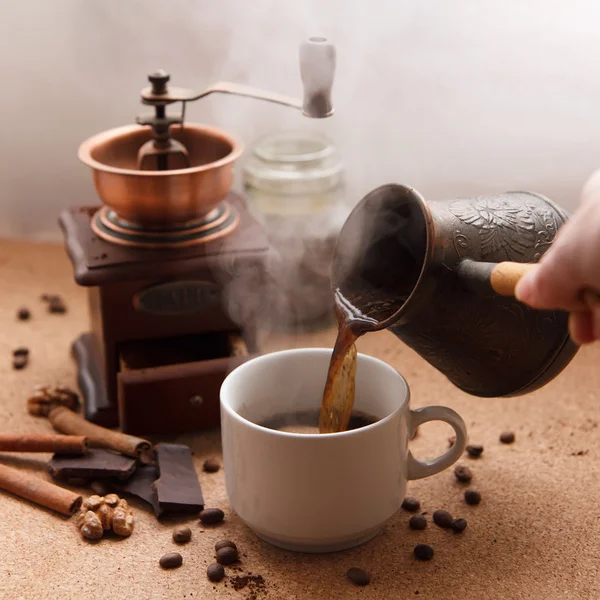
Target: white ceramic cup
312, 492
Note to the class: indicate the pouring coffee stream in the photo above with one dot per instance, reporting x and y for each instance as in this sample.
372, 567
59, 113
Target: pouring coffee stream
441, 276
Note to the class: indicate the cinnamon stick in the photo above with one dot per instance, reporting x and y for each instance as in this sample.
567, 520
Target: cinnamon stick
40, 442
39, 491
66, 421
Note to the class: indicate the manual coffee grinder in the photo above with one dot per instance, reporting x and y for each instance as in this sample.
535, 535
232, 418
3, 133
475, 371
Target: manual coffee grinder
165, 252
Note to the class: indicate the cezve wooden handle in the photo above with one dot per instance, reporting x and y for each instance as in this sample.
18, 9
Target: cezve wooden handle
505, 276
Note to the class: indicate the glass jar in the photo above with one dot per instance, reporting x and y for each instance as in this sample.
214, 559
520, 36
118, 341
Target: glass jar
294, 185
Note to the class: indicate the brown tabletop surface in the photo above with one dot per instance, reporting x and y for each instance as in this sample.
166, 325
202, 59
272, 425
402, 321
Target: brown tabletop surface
535, 535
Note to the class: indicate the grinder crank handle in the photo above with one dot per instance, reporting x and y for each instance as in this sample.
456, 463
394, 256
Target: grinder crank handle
503, 277
317, 69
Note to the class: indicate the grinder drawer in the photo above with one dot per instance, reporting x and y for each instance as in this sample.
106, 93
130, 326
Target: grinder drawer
171, 386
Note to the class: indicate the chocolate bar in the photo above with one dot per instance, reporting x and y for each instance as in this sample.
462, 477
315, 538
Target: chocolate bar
140, 485
96, 464
177, 488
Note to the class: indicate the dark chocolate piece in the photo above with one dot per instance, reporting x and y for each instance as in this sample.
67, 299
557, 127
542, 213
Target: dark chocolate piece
97, 463
177, 488
141, 485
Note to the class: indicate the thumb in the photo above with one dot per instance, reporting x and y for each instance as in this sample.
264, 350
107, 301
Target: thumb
553, 285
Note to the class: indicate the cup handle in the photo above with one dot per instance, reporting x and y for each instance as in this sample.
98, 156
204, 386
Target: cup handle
419, 469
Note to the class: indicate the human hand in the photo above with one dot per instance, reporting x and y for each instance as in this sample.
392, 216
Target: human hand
568, 277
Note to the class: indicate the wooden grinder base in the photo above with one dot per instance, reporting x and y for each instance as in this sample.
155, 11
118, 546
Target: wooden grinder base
161, 340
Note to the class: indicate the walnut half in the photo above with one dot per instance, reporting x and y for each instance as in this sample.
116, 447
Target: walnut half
105, 513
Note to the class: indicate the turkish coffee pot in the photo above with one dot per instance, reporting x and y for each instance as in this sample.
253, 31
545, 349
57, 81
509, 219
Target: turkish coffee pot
441, 277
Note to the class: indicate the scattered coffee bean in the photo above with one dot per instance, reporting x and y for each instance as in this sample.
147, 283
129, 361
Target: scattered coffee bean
215, 572
21, 351
57, 306
227, 555
507, 437
172, 560
442, 518
411, 504
423, 552
417, 522
23, 314
212, 516
463, 473
20, 361
225, 544
358, 576
474, 451
459, 525
451, 440
472, 497
182, 535
211, 465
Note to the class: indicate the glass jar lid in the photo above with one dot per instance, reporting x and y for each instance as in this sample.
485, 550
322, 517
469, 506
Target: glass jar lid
291, 161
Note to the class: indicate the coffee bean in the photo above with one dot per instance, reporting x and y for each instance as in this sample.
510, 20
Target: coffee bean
182, 535
212, 516
411, 504
225, 544
442, 518
20, 361
21, 351
358, 576
57, 306
459, 525
215, 572
507, 437
474, 451
472, 497
23, 314
211, 466
463, 473
172, 560
417, 522
227, 555
423, 552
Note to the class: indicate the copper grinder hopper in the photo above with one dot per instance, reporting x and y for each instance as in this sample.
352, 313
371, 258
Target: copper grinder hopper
163, 182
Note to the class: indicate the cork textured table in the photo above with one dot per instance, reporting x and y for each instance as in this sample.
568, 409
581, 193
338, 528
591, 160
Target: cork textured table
535, 535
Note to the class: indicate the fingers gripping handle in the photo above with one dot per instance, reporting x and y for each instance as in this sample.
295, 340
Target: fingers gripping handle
419, 469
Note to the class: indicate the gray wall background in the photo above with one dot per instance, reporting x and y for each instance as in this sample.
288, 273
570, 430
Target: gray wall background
453, 97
